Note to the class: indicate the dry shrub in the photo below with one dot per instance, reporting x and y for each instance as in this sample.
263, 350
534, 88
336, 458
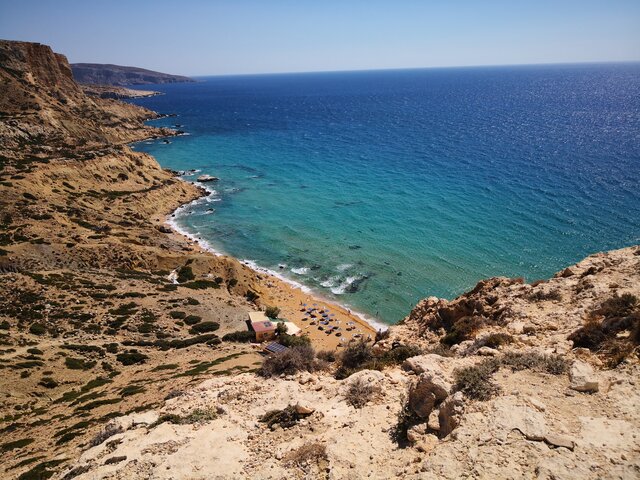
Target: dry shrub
285, 418
407, 418
552, 364
360, 392
494, 340
309, 455
292, 360
602, 331
476, 381
328, 356
109, 431
589, 336
541, 295
463, 329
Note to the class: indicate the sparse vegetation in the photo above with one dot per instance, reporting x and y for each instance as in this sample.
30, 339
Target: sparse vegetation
604, 329
272, 312
407, 418
185, 274
109, 431
292, 360
360, 392
200, 284
8, 446
78, 363
131, 357
476, 381
309, 455
286, 418
197, 416
463, 329
359, 356
541, 296
204, 327
241, 336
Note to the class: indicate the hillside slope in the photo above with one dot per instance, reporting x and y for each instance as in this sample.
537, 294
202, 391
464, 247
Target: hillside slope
516, 400
107, 74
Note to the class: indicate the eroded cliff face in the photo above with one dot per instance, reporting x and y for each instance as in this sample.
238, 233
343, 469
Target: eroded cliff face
45, 113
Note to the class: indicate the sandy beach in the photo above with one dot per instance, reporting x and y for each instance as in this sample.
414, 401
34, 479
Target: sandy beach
294, 305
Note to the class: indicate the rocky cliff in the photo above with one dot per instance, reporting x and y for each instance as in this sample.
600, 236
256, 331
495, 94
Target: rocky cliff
106, 74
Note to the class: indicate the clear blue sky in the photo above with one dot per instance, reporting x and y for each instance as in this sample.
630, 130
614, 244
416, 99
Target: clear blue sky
197, 37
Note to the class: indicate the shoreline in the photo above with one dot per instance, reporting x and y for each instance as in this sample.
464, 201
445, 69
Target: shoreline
287, 294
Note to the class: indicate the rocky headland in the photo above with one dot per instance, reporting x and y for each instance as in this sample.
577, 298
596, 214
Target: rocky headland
107, 74
120, 360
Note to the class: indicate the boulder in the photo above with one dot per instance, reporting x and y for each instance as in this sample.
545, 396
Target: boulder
415, 433
450, 414
431, 389
429, 363
373, 378
304, 410
583, 378
510, 414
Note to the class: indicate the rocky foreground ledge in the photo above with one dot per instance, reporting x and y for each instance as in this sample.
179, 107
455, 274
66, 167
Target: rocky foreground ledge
516, 399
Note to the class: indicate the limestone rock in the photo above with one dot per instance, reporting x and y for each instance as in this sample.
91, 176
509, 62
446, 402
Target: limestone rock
559, 441
450, 414
430, 390
304, 410
583, 378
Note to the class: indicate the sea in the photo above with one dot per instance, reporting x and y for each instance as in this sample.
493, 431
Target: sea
378, 188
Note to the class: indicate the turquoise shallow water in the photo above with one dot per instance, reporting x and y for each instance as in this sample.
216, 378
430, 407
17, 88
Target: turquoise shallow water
381, 188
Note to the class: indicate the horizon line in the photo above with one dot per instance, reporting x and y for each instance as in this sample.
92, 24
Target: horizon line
390, 69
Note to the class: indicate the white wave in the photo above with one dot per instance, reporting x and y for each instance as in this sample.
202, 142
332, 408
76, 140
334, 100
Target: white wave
301, 270
329, 282
254, 266
340, 289
344, 266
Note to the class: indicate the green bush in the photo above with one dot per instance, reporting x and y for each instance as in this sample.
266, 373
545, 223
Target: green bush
200, 284
37, 329
192, 319
78, 364
48, 382
131, 358
272, 312
176, 314
241, 336
185, 274
204, 327
292, 340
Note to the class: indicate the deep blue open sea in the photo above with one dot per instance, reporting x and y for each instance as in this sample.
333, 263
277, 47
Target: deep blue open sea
380, 188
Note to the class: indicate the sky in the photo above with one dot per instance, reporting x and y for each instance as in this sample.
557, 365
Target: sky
198, 37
